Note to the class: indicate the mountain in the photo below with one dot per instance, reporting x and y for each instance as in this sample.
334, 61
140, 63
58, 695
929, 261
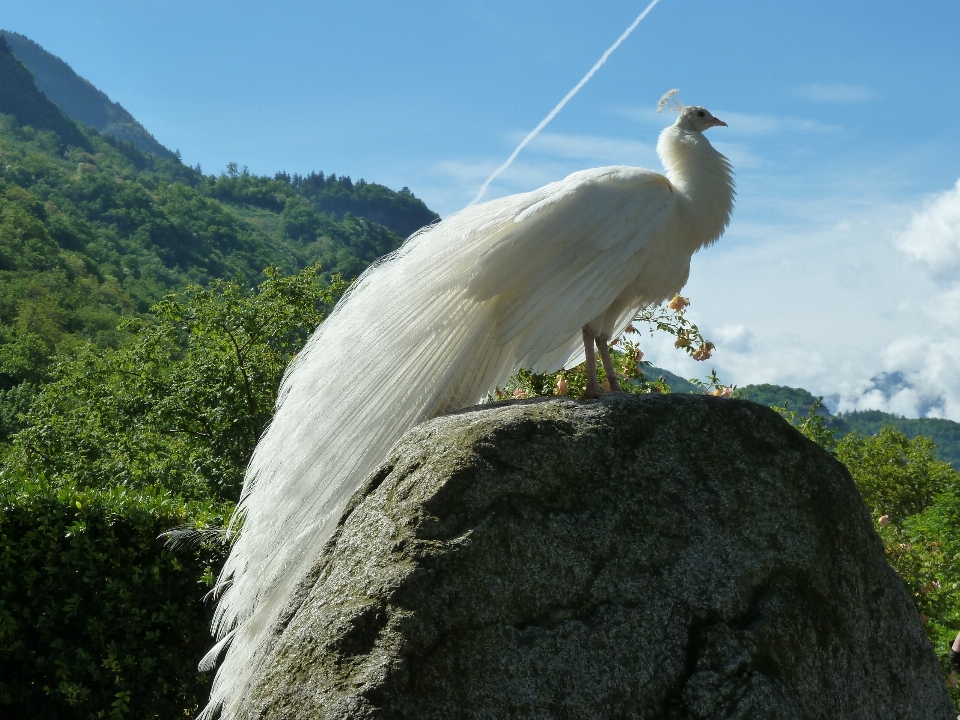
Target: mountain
78, 98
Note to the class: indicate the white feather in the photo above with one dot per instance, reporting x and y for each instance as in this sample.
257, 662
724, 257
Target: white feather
434, 327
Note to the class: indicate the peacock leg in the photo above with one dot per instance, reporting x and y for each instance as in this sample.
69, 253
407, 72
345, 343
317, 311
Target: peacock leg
592, 390
608, 364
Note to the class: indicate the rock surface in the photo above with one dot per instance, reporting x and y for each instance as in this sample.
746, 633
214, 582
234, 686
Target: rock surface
635, 557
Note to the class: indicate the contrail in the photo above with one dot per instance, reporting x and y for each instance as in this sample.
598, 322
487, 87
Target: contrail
566, 99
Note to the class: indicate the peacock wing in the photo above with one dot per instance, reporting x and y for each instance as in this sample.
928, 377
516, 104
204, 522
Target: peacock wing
564, 257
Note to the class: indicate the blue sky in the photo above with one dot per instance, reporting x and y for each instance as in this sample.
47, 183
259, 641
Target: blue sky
843, 256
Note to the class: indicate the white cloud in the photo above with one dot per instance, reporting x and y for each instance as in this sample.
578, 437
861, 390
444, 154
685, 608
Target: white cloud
821, 298
735, 338
933, 236
922, 367
922, 379
835, 93
764, 123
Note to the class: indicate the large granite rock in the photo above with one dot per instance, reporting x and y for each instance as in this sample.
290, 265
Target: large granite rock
636, 557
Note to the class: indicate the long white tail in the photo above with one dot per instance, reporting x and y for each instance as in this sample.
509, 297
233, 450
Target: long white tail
427, 330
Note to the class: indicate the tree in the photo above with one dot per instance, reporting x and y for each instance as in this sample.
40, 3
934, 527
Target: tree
182, 403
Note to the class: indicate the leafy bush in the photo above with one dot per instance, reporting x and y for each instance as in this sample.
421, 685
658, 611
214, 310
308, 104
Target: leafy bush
97, 618
181, 404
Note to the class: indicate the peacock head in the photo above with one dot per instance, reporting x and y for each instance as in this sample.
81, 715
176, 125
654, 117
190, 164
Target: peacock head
692, 117
698, 119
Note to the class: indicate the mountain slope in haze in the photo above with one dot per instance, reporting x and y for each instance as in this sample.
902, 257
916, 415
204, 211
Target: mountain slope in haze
19, 97
78, 98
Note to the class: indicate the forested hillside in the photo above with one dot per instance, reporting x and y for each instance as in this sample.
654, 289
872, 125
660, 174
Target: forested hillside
93, 230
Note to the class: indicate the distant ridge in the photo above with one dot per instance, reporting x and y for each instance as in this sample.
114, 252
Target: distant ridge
78, 98
944, 433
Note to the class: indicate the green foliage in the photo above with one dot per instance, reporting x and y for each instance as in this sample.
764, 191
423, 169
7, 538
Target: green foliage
181, 403
812, 425
14, 404
302, 212
944, 433
898, 477
97, 232
915, 500
401, 212
97, 618
797, 399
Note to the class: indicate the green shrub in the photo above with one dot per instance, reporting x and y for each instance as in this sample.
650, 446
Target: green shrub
97, 618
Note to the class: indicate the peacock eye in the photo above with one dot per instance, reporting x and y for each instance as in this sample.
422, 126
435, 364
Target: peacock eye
699, 113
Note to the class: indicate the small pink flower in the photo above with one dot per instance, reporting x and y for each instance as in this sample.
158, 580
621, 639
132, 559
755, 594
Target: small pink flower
519, 393
883, 521
678, 303
638, 355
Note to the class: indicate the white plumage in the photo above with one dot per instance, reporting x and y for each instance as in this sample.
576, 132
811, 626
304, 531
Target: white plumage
434, 327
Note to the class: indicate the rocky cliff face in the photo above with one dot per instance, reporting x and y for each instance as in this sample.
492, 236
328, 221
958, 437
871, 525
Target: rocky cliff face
636, 557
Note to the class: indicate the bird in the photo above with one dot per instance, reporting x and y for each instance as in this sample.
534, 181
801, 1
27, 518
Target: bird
542, 280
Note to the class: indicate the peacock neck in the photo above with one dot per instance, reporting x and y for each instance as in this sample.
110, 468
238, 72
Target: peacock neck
704, 179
